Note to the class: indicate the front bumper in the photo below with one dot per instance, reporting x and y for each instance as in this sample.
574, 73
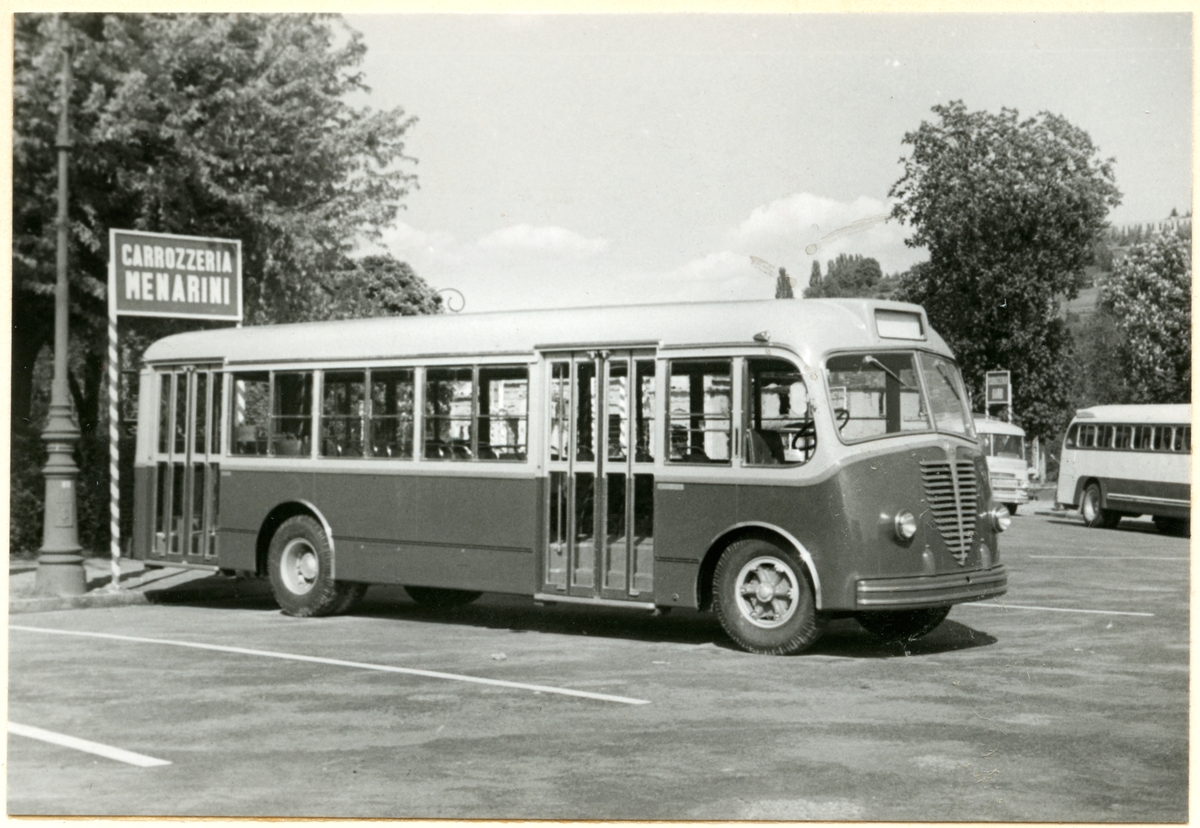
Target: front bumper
931, 590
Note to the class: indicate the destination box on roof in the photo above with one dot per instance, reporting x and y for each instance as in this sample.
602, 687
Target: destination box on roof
155, 274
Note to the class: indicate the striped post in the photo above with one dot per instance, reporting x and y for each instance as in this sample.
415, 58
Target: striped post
114, 439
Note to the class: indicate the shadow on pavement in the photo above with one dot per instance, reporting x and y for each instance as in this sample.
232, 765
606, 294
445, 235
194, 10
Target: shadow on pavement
843, 638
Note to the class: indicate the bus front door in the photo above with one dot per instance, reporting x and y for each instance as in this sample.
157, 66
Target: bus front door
188, 471
602, 446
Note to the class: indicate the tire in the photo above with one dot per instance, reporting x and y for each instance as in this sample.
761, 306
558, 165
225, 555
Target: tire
299, 564
441, 598
1091, 512
1012, 508
764, 600
902, 625
1180, 527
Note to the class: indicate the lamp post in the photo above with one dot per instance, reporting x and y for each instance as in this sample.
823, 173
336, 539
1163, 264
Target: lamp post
60, 562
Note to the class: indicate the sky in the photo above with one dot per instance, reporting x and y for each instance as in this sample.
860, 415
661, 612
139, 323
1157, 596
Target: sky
569, 160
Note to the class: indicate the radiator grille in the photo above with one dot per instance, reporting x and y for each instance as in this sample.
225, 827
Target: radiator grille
952, 491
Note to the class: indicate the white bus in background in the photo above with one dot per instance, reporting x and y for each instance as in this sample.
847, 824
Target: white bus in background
1003, 445
1127, 461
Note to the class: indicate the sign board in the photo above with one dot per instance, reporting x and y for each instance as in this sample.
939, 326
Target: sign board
999, 388
183, 277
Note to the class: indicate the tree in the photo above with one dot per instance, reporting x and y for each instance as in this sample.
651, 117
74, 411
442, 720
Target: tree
1148, 297
376, 286
236, 126
847, 275
783, 286
814, 278
1009, 210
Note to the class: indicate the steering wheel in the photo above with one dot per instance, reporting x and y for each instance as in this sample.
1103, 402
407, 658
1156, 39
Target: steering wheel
841, 416
805, 431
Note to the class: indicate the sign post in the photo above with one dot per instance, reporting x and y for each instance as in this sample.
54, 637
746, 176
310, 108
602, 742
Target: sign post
155, 274
999, 391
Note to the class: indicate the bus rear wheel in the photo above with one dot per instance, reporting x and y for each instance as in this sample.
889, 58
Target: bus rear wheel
1094, 516
764, 600
441, 598
299, 563
902, 625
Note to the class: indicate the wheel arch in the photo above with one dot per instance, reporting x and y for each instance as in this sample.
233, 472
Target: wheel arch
276, 517
747, 531
1081, 486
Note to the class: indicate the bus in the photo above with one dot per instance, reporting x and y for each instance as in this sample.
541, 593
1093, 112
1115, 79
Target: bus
1127, 461
1003, 445
778, 463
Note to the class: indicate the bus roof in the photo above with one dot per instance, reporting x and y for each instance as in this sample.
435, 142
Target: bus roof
811, 327
985, 425
1181, 413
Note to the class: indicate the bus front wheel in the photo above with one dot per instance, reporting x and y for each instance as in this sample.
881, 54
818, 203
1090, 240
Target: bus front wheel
299, 563
1094, 516
902, 625
764, 600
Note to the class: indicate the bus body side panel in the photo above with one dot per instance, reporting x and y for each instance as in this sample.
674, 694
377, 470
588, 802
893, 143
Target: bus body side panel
454, 531
457, 532
687, 516
247, 497
1146, 497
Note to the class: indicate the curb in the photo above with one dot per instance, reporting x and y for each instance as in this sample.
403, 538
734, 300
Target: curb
88, 600
210, 588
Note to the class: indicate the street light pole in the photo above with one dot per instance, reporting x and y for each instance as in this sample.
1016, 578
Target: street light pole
60, 562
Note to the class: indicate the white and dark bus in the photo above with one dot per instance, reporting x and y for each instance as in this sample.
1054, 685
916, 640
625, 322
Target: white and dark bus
782, 463
1127, 461
1003, 445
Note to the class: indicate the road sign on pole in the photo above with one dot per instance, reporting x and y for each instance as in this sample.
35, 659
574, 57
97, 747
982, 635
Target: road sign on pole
999, 390
156, 274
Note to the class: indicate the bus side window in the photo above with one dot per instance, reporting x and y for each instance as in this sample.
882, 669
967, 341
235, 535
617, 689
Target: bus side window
390, 430
251, 408
1087, 436
1141, 437
1105, 439
449, 400
1162, 438
343, 410
1183, 439
291, 415
700, 422
503, 412
779, 423
1123, 438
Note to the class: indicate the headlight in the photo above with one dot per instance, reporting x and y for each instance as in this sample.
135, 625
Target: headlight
1001, 519
905, 526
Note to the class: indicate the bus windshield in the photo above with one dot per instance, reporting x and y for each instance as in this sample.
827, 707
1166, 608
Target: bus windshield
1006, 445
877, 394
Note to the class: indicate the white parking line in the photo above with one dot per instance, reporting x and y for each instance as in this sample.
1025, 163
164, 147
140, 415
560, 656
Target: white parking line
107, 751
337, 662
1056, 609
1110, 558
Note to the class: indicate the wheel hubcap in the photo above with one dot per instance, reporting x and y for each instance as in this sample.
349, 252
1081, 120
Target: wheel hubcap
299, 566
768, 592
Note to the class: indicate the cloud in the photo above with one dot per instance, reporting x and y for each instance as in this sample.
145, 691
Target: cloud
793, 230
557, 241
